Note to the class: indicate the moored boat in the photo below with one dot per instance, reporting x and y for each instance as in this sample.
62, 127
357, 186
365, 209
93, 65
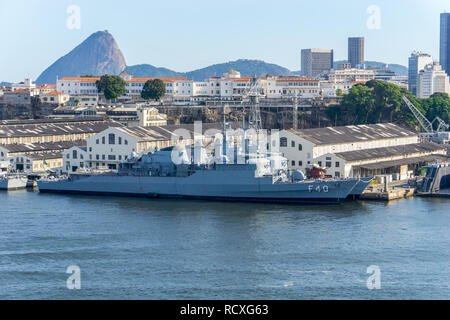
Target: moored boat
13, 182
155, 175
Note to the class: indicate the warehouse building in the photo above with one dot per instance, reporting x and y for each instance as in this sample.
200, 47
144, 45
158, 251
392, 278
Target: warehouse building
349, 150
35, 157
107, 149
399, 161
37, 162
37, 145
51, 130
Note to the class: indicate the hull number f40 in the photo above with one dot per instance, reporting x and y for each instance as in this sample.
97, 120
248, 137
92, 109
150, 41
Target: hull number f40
318, 188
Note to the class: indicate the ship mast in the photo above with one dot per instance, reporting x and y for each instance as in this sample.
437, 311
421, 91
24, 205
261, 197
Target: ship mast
253, 93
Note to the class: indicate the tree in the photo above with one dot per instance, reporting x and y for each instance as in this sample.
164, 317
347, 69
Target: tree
111, 86
339, 92
153, 89
374, 102
437, 105
355, 107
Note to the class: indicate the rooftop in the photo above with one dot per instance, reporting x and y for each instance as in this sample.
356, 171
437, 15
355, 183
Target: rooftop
40, 147
42, 121
408, 149
348, 134
155, 133
45, 156
393, 163
19, 91
53, 93
55, 127
94, 79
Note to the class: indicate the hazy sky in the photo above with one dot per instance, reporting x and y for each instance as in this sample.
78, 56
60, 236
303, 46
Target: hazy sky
187, 34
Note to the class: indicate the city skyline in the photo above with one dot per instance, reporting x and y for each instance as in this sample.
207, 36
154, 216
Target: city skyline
215, 33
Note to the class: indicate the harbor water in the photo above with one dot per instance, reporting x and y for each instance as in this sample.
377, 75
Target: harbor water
129, 248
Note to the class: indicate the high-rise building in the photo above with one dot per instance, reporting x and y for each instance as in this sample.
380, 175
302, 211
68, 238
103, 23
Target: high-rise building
444, 56
316, 61
417, 62
356, 51
432, 79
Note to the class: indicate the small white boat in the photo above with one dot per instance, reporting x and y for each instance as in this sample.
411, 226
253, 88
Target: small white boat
13, 182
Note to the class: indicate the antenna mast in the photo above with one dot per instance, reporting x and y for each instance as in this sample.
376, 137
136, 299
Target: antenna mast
253, 94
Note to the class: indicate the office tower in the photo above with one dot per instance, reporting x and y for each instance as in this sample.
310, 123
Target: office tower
432, 79
444, 56
417, 62
316, 61
356, 51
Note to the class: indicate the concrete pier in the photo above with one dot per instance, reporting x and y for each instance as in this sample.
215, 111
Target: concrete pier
387, 195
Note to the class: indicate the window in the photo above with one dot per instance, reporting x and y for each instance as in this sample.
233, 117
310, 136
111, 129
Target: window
337, 174
120, 157
337, 164
320, 163
126, 142
328, 158
293, 144
97, 141
120, 140
111, 157
328, 164
103, 140
293, 163
283, 142
75, 154
112, 138
103, 157
300, 147
97, 157
300, 163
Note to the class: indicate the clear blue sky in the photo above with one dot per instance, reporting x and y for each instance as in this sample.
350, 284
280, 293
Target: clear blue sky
183, 35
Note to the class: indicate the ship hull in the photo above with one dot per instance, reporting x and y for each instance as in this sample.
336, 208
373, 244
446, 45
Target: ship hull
215, 185
278, 200
363, 183
13, 183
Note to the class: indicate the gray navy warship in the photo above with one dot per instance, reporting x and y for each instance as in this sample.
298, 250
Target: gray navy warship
156, 175
186, 173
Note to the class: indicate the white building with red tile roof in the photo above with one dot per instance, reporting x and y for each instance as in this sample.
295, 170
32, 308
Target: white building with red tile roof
134, 85
230, 86
292, 86
27, 84
17, 97
44, 88
54, 97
